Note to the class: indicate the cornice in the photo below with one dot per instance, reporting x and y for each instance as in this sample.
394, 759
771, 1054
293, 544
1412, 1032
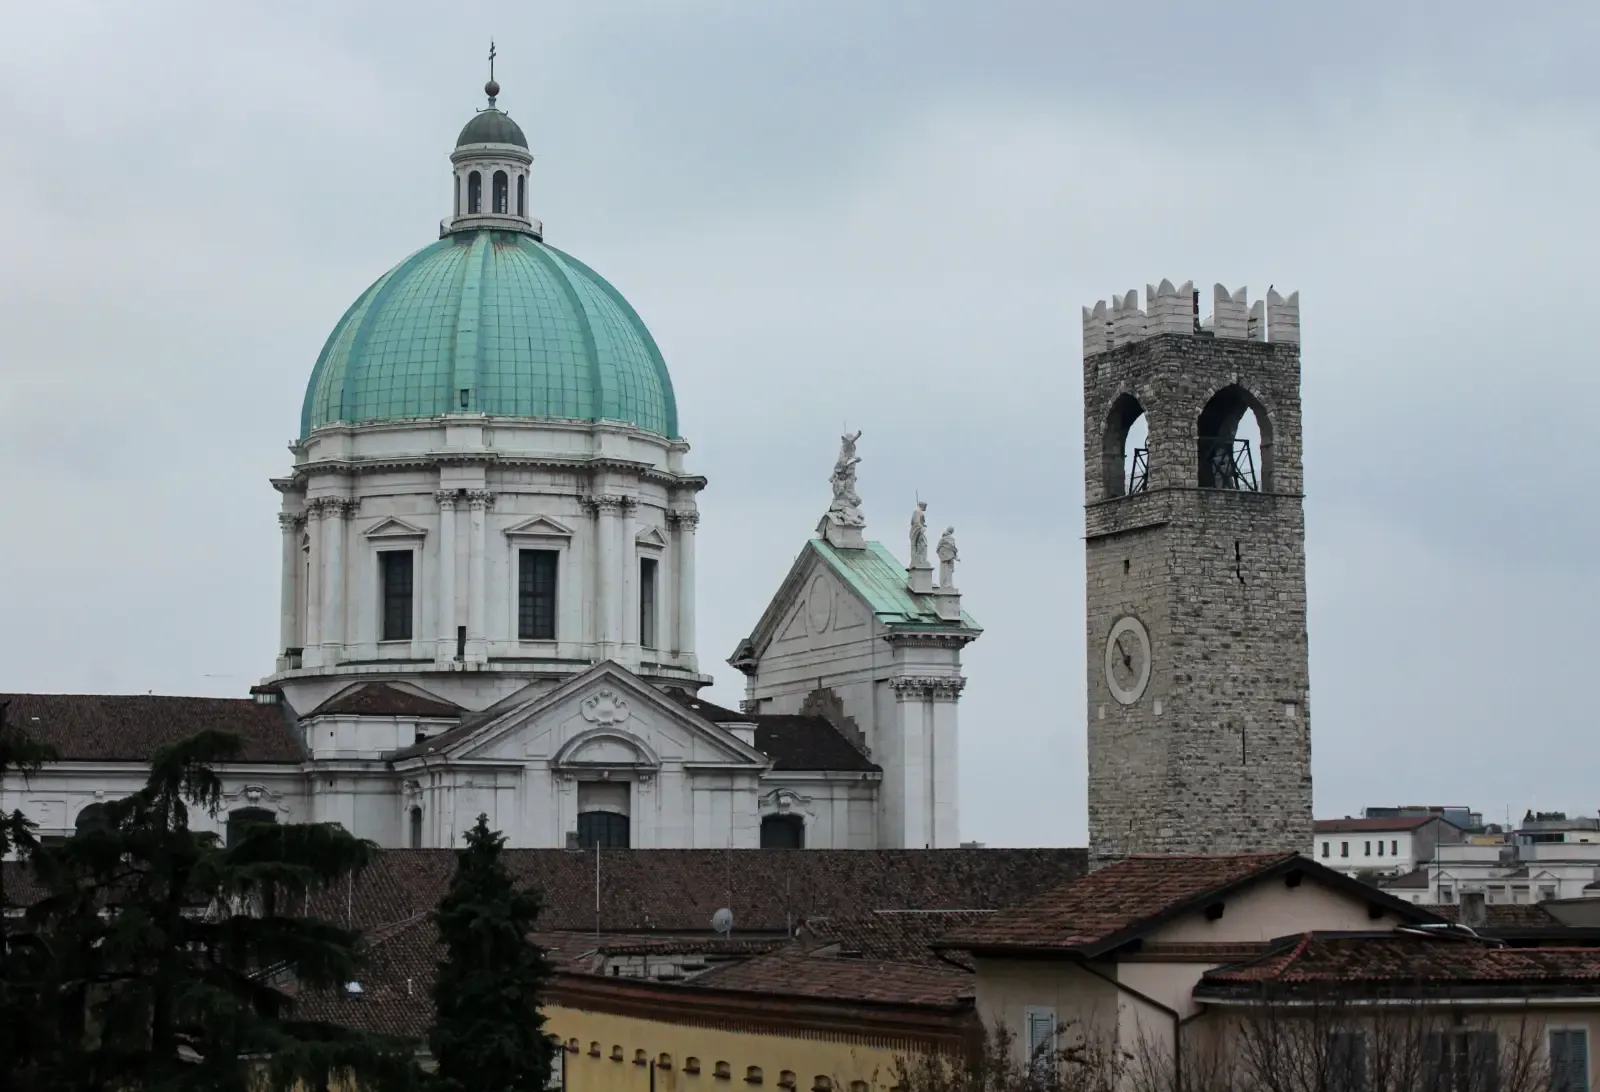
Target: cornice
930, 638
938, 687
435, 460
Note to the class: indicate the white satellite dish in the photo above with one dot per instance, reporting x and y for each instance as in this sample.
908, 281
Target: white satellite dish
722, 921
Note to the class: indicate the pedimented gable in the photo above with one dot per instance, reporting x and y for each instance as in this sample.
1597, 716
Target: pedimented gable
606, 718
540, 527
651, 536
391, 527
813, 608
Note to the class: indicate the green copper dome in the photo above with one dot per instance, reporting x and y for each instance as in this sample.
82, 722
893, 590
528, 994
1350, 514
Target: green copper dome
491, 126
492, 322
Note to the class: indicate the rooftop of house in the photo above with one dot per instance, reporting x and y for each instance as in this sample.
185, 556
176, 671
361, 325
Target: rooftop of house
130, 727
386, 700
793, 741
1123, 901
1349, 825
1403, 963
904, 936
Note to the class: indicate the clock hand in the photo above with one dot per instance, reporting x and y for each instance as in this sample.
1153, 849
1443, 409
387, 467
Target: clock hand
1127, 657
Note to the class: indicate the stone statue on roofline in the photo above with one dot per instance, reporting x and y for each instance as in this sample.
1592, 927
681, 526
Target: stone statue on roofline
843, 523
919, 536
947, 558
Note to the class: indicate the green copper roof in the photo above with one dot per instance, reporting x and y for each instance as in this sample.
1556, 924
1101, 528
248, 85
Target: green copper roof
491, 126
881, 580
497, 323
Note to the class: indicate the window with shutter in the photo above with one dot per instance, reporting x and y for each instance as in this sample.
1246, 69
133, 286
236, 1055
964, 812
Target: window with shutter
1040, 1039
1347, 1062
1569, 1060
1461, 1061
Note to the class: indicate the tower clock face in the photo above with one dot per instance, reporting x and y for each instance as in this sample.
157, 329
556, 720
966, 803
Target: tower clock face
1128, 660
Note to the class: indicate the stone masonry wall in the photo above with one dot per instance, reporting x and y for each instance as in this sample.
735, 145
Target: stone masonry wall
1215, 754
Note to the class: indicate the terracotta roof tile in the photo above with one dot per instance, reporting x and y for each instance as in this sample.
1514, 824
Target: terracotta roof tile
130, 727
1402, 962
1503, 915
1372, 826
792, 972
793, 741
677, 890
383, 700
1093, 912
904, 936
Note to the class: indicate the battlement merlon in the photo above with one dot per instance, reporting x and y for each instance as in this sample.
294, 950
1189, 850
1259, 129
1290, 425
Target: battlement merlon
1170, 310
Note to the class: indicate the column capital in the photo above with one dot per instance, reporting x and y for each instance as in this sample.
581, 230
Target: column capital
480, 499
331, 507
447, 499
686, 518
918, 687
290, 521
606, 502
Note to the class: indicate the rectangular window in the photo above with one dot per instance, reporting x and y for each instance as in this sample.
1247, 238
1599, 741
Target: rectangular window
1447, 894
1380, 847
1569, 1060
1367, 850
647, 602
1394, 847
1546, 891
536, 594
1326, 846
394, 573
1039, 1040
1344, 849
1348, 1067
1461, 1061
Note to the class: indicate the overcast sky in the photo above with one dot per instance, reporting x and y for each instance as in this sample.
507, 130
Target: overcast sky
884, 213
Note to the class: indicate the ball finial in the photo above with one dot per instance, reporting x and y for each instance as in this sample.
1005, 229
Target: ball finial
492, 89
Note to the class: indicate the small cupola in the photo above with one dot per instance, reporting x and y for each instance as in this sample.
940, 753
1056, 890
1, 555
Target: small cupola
492, 168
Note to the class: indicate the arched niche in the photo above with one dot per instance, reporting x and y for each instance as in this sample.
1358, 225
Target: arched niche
1228, 455
1124, 470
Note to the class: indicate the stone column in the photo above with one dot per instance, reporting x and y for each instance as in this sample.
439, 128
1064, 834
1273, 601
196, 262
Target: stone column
335, 518
314, 578
944, 810
608, 514
288, 602
447, 575
685, 522
628, 573
479, 500
908, 777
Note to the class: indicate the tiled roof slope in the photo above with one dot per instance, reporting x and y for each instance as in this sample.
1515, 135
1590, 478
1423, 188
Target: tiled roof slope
1503, 915
792, 741
677, 890
792, 972
1404, 964
383, 700
1120, 901
904, 936
130, 727
1372, 826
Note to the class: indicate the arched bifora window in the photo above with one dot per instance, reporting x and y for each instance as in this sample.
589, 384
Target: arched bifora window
474, 193
783, 832
522, 195
1235, 442
1124, 450
501, 193
240, 818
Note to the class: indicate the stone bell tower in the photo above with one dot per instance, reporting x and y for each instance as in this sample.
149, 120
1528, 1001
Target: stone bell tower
1198, 701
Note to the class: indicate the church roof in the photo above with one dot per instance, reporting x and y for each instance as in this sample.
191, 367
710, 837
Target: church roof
491, 322
384, 700
880, 580
129, 727
792, 741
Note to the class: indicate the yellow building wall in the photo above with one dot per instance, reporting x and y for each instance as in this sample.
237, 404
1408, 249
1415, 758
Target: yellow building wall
850, 1063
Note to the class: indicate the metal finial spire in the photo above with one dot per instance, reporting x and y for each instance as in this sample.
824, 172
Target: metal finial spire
492, 89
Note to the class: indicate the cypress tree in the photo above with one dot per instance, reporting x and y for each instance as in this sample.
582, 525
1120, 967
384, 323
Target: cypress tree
488, 1033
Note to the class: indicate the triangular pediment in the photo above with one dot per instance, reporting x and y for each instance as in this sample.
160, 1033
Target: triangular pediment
541, 526
605, 719
394, 527
812, 602
651, 536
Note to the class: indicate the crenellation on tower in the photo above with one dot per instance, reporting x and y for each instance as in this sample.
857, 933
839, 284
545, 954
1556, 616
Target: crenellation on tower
1175, 310
1198, 711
